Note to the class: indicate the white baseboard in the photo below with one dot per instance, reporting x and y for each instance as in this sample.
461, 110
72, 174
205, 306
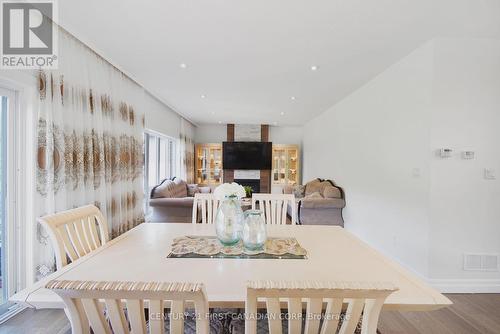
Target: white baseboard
466, 285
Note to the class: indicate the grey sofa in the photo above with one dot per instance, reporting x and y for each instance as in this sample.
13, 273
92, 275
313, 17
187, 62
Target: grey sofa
172, 201
319, 202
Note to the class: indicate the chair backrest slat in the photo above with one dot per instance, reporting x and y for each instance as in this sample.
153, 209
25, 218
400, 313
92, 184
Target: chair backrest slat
206, 205
74, 237
106, 298
274, 207
362, 298
156, 307
76, 232
354, 311
274, 312
94, 234
66, 245
295, 323
136, 316
331, 321
116, 316
96, 318
89, 241
176, 317
313, 315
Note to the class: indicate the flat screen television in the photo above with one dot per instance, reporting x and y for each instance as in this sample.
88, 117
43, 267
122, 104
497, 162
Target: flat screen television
246, 155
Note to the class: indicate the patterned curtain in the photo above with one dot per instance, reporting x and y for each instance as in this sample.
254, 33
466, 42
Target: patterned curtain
89, 143
186, 151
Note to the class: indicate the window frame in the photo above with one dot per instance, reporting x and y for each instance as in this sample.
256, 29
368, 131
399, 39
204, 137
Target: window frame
171, 156
20, 171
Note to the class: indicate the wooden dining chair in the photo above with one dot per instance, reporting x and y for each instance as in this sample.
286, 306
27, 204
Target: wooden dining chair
275, 207
206, 205
364, 300
114, 307
76, 232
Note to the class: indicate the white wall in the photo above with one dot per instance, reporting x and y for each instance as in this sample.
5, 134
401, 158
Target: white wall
210, 133
379, 145
215, 133
161, 118
369, 144
464, 207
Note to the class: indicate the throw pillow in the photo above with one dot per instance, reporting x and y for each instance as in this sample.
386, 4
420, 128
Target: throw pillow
205, 190
180, 188
192, 189
331, 192
314, 195
313, 186
164, 189
299, 191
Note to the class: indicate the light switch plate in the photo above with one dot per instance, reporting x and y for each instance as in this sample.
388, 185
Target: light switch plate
468, 155
444, 152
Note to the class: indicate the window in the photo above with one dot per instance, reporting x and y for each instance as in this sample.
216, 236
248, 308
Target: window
160, 158
11, 269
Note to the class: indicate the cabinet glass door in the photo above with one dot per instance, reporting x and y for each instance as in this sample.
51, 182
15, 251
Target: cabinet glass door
216, 165
292, 156
279, 165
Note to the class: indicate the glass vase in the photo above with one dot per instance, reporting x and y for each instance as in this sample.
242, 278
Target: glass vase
254, 230
229, 221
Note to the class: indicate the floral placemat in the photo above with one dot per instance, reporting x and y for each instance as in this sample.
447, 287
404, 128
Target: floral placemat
210, 247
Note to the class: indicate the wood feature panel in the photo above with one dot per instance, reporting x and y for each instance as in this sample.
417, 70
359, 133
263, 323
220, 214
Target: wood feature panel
264, 133
230, 132
228, 175
265, 175
265, 181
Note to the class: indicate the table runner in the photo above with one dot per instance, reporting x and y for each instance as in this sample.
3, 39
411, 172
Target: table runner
210, 247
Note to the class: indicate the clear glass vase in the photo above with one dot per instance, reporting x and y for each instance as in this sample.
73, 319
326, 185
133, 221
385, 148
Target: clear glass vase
254, 230
229, 221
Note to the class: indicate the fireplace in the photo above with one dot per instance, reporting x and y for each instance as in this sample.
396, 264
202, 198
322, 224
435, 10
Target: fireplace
254, 184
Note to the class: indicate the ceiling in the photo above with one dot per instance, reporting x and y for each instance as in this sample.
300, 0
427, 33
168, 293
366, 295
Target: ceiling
245, 60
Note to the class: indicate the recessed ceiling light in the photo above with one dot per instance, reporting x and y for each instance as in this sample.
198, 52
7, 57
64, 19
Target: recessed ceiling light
203, 96
213, 112
275, 123
182, 65
282, 113
314, 68
292, 98
220, 122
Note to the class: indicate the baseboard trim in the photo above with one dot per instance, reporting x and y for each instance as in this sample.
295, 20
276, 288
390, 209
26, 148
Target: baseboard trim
466, 285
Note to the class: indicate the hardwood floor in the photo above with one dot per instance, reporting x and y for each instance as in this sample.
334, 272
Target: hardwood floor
50, 321
470, 314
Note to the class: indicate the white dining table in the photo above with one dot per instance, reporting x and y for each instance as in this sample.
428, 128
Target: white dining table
334, 254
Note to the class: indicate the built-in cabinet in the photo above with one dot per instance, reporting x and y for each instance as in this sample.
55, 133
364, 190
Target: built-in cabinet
286, 168
208, 164
285, 165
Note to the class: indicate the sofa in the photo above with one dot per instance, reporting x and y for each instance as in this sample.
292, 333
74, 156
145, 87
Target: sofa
319, 202
172, 201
